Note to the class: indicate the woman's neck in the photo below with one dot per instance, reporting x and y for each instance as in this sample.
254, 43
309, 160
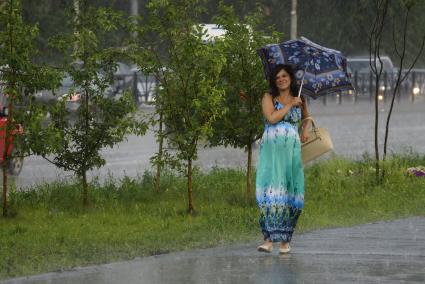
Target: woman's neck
284, 93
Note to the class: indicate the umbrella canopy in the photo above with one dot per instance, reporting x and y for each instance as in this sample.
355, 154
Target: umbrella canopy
319, 70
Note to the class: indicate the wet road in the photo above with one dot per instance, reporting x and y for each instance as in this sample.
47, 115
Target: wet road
351, 127
384, 252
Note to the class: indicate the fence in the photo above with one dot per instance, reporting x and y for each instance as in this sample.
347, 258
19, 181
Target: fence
411, 89
143, 87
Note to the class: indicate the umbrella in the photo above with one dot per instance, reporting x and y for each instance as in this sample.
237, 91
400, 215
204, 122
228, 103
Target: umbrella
319, 70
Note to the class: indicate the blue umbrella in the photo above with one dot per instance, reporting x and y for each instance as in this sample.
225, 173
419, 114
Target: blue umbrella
319, 70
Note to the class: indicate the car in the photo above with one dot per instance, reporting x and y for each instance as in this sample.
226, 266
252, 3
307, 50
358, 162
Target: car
72, 100
212, 32
415, 83
49, 97
71, 94
362, 64
362, 76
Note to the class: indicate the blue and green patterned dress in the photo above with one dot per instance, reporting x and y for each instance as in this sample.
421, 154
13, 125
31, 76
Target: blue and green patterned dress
280, 177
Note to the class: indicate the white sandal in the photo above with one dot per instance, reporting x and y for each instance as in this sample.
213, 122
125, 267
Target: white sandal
285, 250
265, 248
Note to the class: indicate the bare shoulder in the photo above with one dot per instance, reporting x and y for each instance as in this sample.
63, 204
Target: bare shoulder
267, 97
267, 103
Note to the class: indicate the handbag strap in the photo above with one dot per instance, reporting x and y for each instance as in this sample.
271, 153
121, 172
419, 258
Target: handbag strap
313, 123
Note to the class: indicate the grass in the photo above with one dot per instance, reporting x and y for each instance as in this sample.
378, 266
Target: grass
52, 231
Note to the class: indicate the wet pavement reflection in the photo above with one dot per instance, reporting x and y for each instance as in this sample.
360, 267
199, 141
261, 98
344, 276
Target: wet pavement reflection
384, 252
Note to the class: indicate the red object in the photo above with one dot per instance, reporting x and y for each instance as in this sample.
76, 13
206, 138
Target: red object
17, 131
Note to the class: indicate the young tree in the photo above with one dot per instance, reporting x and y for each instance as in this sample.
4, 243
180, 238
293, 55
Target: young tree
381, 25
400, 43
100, 121
19, 79
149, 61
376, 65
188, 73
244, 82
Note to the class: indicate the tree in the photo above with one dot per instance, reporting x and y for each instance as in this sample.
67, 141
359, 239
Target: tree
100, 121
147, 53
244, 82
386, 21
188, 72
376, 65
343, 24
19, 78
400, 48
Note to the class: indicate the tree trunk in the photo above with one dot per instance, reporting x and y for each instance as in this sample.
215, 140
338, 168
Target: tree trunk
160, 154
85, 189
189, 186
7, 135
375, 40
85, 147
376, 128
387, 125
249, 172
4, 166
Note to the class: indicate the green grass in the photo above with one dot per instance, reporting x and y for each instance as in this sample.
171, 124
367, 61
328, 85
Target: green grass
52, 230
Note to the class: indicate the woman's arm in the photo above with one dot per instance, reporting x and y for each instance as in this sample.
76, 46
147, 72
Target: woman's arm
306, 123
304, 109
270, 113
305, 113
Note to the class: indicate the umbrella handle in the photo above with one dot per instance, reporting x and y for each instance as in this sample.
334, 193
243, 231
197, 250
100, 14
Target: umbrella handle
301, 87
302, 82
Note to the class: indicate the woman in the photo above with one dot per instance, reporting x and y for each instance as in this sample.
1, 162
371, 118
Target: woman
280, 173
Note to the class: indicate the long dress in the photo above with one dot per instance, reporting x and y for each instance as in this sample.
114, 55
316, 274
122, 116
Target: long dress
280, 177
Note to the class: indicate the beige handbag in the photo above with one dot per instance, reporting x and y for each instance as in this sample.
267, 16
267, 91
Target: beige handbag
318, 143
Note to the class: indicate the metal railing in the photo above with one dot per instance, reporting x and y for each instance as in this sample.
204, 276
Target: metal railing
143, 87
411, 89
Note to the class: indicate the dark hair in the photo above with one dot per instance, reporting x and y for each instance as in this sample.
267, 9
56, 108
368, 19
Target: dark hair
272, 81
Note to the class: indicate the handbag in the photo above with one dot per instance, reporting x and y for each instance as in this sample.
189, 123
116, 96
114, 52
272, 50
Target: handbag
317, 144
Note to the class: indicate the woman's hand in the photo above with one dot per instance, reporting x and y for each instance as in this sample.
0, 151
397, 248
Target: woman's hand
305, 135
296, 101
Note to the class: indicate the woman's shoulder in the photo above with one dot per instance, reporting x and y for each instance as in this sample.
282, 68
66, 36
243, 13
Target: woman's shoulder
268, 96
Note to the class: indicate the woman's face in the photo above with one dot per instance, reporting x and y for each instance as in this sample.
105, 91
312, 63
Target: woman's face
283, 80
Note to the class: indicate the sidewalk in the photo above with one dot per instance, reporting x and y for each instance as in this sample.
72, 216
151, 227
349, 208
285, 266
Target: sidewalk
384, 252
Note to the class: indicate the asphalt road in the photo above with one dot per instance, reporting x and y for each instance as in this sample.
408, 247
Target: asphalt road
351, 127
384, 252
